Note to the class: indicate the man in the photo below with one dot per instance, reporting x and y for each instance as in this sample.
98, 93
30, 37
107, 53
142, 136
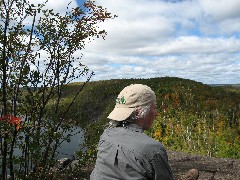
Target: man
125, 151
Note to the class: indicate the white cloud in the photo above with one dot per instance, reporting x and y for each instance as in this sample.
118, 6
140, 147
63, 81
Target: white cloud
59, 6
230, 26
198, 40
220, 16
221, 9
193, 44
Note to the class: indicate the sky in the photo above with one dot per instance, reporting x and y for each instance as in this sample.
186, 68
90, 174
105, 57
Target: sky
190, 39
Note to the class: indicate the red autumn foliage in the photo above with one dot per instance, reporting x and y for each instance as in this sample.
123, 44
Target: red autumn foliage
12, 120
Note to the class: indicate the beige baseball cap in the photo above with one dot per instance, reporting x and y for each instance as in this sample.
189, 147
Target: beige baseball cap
129, 99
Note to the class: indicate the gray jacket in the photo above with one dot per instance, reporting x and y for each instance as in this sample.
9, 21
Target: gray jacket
128, 153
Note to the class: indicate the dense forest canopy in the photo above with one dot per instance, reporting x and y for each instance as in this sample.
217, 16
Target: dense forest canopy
192, 117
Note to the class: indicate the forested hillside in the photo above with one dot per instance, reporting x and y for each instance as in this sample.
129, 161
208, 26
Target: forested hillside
192, 117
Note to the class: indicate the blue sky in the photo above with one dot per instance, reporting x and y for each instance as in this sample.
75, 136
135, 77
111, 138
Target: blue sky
192, 39
80, 2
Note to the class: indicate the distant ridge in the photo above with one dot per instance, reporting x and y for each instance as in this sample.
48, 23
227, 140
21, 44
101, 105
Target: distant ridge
218, 85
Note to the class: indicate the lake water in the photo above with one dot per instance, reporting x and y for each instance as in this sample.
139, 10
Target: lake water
67, 149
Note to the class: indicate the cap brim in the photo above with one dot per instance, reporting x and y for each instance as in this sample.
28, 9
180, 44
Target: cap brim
120, 114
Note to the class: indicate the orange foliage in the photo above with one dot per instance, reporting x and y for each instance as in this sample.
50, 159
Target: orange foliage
12, 120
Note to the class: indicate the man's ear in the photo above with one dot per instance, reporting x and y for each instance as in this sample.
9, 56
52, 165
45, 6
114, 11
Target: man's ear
138, 110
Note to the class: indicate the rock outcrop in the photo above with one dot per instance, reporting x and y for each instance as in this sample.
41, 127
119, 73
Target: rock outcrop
209, 168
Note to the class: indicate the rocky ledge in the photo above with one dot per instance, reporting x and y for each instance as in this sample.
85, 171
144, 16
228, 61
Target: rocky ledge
209, 168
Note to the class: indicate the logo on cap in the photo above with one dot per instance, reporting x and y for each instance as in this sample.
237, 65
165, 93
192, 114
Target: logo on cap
121, 100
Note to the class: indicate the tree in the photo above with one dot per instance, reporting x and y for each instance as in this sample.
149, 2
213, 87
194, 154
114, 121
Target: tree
36, 61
